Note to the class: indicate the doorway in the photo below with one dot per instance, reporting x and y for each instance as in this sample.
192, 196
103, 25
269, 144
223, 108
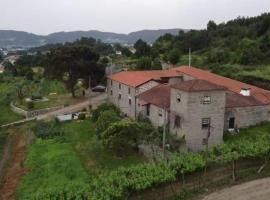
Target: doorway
231, 123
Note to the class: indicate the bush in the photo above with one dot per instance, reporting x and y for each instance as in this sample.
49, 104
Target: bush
103, 107
122, 136
48, 130
30, 105
81, 116
105, 119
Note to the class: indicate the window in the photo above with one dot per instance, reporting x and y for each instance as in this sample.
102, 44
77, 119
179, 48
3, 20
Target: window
111, 92
119, 86
128, 90
148, 109
205, 123
177, 121
160, 112
178, 98
111, 82
206, 100
129, 101
119, 96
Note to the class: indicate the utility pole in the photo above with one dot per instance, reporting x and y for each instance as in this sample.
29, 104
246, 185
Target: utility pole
164, 133
189, 58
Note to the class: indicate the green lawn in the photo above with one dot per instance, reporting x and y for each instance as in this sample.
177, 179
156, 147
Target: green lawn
52, 163
95, 156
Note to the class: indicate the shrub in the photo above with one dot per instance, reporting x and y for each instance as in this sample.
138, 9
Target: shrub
122, 136
30, 105
81, 116
103, 107
48, 130
105, 119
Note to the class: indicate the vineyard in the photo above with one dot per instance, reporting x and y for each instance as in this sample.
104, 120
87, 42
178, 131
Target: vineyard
249, 144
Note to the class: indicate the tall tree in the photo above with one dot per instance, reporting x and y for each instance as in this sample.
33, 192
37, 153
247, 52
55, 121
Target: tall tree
142, 48
69, 63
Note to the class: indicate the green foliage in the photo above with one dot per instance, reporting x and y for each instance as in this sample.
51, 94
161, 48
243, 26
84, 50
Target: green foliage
105, 119
3, 138
30, 105
142, 49
74, 62
174, 56
121, 136
55, 169
48, 130
249, 52
104, 107
144, 63
81, 116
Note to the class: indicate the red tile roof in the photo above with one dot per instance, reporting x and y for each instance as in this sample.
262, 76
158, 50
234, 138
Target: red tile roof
159, 96
137, 78
197, 85
235, 86
237, 100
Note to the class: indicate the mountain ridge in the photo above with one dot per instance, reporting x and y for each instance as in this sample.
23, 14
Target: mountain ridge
11, 38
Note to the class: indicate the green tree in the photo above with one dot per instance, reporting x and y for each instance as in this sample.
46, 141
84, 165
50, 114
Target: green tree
142, 48
105, 119
104, 107
122, 136
249, 52
174, 56
144, 63
69, 63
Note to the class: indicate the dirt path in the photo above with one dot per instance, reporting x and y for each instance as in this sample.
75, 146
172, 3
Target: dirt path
94, 101
15, 172
254, 190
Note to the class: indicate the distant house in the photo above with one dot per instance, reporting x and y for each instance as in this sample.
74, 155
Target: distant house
12, 58
118, 53
196, 104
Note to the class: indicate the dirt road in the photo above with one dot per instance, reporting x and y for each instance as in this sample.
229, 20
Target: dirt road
94, 101
254, 190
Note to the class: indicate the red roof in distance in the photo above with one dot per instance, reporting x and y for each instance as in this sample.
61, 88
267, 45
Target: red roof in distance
137, 78
197, 85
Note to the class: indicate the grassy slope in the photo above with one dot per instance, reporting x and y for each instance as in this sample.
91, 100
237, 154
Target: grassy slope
53, 163
7, 115
95, 156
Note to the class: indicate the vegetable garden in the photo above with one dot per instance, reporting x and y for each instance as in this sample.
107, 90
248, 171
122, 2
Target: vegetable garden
251, 144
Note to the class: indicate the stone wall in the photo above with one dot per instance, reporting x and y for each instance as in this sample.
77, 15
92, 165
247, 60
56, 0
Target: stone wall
191, 111
247, 116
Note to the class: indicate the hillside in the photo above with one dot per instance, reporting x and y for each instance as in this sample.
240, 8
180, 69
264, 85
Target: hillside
24, 39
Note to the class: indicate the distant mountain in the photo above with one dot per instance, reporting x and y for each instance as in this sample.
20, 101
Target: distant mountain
24, 39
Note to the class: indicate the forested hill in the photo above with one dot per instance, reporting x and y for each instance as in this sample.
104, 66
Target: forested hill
24, 39
243, 41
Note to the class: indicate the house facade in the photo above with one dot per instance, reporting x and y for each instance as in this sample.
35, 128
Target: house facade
195, 104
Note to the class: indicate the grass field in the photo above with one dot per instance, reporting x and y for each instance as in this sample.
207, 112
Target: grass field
94, 155
53, 163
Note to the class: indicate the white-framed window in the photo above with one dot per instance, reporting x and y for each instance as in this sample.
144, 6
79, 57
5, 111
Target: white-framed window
119, 96
206, 100
178, 98
206, 123
129, 101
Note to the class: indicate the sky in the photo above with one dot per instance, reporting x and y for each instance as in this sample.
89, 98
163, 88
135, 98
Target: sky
121, 16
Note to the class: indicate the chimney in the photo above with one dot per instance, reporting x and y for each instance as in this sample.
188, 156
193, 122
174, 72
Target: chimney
245, 92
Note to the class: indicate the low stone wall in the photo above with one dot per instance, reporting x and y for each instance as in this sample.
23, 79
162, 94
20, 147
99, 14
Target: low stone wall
18, 110
34, 113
